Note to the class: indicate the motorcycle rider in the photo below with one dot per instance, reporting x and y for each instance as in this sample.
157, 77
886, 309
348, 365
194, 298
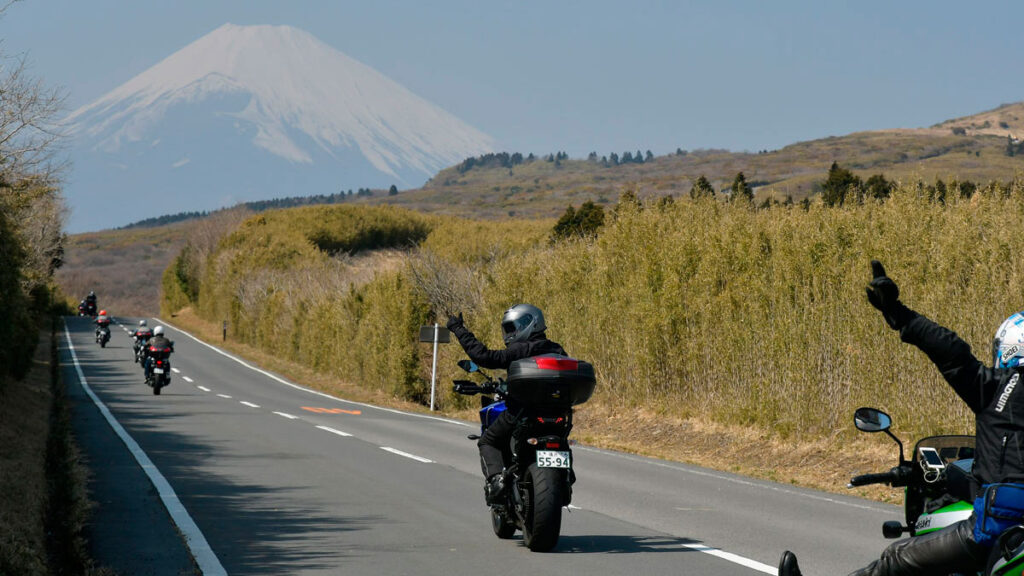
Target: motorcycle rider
141, 335
155, 347
102, 322
999, 428
90, 303
523, 330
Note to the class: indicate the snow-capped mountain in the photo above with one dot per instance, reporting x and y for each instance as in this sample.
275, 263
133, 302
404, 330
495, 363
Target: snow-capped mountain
252, 112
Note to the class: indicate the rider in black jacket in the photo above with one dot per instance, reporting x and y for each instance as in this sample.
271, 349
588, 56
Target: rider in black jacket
999, 429
523, 328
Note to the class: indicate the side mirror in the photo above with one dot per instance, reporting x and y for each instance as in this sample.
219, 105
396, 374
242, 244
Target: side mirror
468, 365
871, 420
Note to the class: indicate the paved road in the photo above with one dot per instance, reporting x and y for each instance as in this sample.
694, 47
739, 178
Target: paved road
279, 479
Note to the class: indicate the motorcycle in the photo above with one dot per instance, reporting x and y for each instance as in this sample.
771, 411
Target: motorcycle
102, 335
539, 464
938, 489
158, 371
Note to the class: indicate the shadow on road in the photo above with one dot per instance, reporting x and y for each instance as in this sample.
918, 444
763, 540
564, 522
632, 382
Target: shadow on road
622, 544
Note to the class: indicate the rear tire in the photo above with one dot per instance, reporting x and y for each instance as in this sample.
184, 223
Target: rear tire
503, 528
156, 389
544, 516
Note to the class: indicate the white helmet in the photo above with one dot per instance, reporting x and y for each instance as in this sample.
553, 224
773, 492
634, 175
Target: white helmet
1008, 346
142, 322
158, 331
520, 322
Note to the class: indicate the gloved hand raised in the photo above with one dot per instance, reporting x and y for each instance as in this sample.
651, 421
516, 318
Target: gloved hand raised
884, 295
454, 321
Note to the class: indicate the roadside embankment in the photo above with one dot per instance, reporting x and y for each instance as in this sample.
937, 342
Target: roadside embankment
43, 504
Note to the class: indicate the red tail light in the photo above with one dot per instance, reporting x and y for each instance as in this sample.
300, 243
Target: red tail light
547, 363
552, 445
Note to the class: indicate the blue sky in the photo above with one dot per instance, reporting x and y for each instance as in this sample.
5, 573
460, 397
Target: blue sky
542, 76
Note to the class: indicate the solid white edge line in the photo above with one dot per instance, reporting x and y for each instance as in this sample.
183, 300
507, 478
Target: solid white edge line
735, 559
204, 388
249, 404
315, 392
407, 455
333, 431
200, 549
187, 379
288, 416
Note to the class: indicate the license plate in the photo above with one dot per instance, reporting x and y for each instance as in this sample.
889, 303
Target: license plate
158, 370
552, 459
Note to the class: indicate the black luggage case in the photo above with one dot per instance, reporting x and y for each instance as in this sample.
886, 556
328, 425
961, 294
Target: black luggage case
551, 381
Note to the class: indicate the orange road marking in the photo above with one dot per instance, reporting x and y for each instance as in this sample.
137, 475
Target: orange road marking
331, 410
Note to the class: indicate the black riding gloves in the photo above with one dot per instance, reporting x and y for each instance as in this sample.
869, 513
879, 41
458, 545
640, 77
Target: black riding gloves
454, 321
884, 295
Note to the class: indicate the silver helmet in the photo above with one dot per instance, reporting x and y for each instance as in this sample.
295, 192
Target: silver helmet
142, 322
520, 322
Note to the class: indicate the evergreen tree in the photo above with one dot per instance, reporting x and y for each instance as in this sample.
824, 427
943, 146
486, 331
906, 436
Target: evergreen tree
393, 191
702, 188
627, 157
1010, 148
839, 183
584, 222
614, 158
649, 156
878, 187
741, 190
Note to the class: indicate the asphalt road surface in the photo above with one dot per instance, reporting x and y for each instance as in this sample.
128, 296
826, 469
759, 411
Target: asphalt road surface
251, 474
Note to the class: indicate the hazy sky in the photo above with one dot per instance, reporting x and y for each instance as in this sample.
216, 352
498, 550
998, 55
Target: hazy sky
549, 75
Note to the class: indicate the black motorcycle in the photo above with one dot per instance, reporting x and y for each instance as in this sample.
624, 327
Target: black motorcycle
102, 335
158, 369
538, 466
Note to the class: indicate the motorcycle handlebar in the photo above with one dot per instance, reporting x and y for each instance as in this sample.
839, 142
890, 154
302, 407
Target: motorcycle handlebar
895, 477
471, 388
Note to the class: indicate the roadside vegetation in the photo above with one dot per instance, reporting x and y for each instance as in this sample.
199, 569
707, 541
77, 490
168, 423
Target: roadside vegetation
701, 316
43, 506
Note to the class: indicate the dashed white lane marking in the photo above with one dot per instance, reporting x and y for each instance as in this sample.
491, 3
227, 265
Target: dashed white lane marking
315, 392
333, 431
203, 388
249, 404
752, 564
195, 540
406, 454
175, 370
223, 395
288, 416
187, 379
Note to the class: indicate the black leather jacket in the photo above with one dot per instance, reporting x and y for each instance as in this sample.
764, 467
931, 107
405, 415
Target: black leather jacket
996, 396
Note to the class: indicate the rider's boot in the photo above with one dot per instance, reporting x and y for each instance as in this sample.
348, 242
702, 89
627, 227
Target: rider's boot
494, 489
788, 565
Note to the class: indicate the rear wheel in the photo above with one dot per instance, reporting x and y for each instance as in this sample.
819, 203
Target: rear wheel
544, 514
503, 528
156, 389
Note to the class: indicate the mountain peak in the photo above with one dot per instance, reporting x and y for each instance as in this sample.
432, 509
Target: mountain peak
287, 94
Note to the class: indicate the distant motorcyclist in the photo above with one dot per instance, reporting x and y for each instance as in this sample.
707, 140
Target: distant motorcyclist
82, 309
102, 323
158, 347
141, 336
523, 330
962, 547
90, 303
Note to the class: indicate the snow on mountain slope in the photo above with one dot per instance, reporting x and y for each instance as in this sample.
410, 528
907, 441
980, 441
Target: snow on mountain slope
327, 119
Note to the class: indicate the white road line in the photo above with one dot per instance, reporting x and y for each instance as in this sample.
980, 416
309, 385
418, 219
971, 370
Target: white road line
203, 388
187, 379
288, 416
406, 454
175, 370
315, 392
223, 395
208, 562
735, 559
249, 404
333, 431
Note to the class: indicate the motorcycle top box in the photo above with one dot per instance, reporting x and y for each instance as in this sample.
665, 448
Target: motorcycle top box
551, 381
